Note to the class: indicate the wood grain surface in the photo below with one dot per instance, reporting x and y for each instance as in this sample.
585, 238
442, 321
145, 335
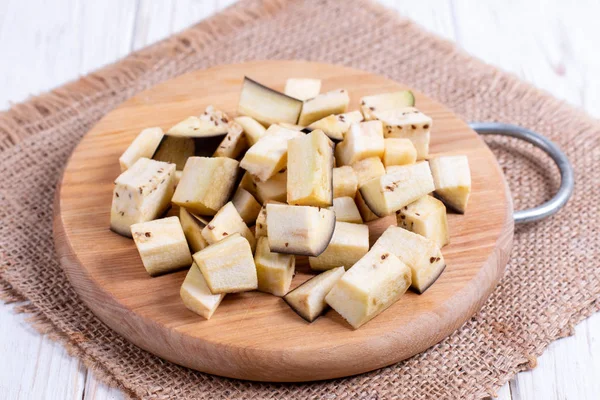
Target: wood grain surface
254, 335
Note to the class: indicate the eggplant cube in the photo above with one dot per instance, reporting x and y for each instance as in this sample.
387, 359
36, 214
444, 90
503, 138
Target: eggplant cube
346, 210
302, 88
228, 265
252, 129
408, 123
427, 217
143, 146
452, 178
363, 140
269, 154
349, 243
233, 144
345, 182
302, 230
162, 245
310, 170
308, 299
365, 212
274, 189
141, 193
397, 189
367, 169
386, 101
211, 122
227, 222
196, 295
192, 228
248, 184
206, 184
266, 105
334, 102
422, 255
399, 152
336, 126
373, 284
246, 205
275, 271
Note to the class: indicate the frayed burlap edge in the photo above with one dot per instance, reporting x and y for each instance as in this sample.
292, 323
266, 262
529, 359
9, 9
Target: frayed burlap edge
61, 104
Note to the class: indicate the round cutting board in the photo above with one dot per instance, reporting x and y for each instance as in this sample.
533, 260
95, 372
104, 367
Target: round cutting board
254, 335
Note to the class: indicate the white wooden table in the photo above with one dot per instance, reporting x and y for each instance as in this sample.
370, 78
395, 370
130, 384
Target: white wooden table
43, 43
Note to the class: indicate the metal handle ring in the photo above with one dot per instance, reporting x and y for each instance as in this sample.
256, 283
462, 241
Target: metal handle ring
567, 181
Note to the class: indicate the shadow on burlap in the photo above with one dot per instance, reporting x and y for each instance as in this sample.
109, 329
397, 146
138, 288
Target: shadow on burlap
551, 283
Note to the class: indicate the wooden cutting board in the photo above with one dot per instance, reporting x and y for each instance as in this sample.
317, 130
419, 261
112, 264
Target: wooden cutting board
253, 335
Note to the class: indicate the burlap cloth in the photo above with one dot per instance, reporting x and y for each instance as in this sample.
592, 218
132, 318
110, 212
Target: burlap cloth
552, 282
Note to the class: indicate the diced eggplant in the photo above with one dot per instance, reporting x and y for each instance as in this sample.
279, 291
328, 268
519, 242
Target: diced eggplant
233, 144
420, 254
399, 152
363, 140
334, 102
275, 271
302, 88
192, 228
162, 245
252, 129
210, 123
301, 230
246, 205
346, 210
196, 295
336, 126
274, 189
373, 284
206, 184
227, 222
261, 220
175, 150
345, 182
248, 184
141, 193
267, 105
228, 265
397, 189
386, 101
365, 212
452, 179
349, 243
367, 169
427, 217
143, 146
308, 299
408, 123
310, 170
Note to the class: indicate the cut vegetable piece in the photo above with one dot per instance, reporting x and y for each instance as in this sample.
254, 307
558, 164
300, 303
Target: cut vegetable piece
252, 128
175, 150
349, 243
206, 184
261, 220
345, 182
144, 145
346, 210
397, 189
275, 271
367, 169
266, 105
210, 123
246, 205
227, 222
141, 193
408, 123
452, 178
427, 217
192, 228
228, 265
373, 284
233, 144
302, 88
269, 154
248, 184
273, 189
334, 102
162, 245
196, 295
310, 170
386, 101
365, 212
422, 255
399, 152
363, 140
308, 299
302, 230
336, 126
